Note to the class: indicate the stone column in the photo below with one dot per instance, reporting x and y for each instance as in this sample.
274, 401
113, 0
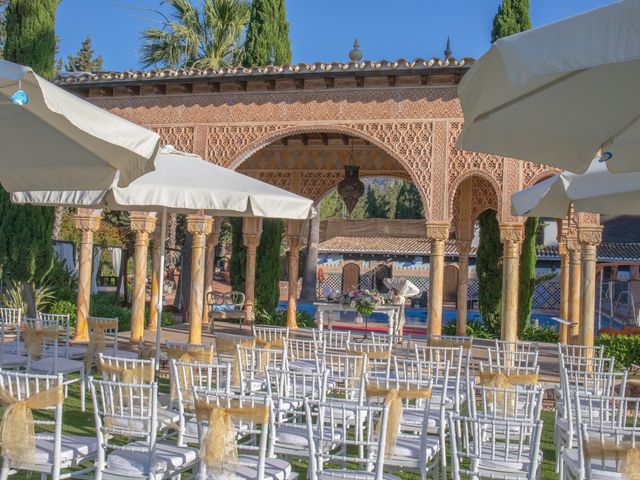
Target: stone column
210, 262
574, 289
464, 247
155, 284
251, 231
199, 226
294, 241
589, 237
564, 290
511, 237
437, 233
88, 222
143, 224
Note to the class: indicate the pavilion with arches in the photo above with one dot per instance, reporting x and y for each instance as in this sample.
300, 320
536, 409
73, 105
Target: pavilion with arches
297, 126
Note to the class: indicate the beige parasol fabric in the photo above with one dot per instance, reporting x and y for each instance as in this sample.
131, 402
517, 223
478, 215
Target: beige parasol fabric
560, 94
597, 190
57, 141
184, 183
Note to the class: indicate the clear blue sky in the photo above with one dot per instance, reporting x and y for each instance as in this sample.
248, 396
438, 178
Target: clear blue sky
321, 30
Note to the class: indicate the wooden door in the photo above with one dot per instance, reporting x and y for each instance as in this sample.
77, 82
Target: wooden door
350, 277
450, 288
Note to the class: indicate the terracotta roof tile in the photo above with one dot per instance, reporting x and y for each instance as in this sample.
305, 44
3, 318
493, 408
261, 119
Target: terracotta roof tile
398, 66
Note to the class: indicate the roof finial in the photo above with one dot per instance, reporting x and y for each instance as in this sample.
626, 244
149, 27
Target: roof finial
272, 56
447, 51
355, 55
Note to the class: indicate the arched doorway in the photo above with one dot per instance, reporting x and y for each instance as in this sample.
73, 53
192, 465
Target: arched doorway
450, 289
350, 277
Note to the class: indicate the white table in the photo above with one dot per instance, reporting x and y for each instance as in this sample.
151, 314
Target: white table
392, 311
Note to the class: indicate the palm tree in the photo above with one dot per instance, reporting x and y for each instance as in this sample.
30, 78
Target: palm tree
205, 37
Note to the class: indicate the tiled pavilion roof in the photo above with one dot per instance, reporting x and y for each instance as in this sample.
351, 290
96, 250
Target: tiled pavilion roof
367, 67
419, 246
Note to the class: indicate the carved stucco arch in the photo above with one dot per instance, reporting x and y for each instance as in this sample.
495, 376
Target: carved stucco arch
539, 177
418, 169
454, 187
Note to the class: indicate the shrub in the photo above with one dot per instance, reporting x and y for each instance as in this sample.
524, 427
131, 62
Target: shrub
279, 318
65, 307
534, 333
625, 348
63, 284
474, 329
13, 297
102, 306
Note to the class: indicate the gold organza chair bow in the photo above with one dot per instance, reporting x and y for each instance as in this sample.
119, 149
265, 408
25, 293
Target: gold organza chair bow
222, 420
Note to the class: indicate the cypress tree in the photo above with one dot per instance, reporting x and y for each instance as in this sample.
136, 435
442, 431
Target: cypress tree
268, 262
527, 273
376, 205
238, 260
512, 18
408, 203
489, 270
26, 250
84, 59
267, 34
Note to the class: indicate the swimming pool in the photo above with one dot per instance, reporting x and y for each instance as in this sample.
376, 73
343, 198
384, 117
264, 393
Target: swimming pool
418, 316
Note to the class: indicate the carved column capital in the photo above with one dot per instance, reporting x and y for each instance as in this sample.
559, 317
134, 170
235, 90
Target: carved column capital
294, 235
463, 247
438, 230
214, 237
590, 234
562, 249
251, 231
87, 219
142, 221
199, 224
511, 232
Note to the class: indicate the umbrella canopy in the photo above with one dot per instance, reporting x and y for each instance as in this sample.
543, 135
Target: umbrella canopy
184, 183
53, 140
597, 190
560, 94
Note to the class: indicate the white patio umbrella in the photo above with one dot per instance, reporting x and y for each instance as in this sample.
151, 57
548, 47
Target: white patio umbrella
183, 183
597, 191
560, 94
53, 140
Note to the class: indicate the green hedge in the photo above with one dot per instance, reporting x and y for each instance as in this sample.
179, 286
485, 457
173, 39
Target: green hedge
625, 348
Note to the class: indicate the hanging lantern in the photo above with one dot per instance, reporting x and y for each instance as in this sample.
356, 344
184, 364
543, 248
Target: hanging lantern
351, 187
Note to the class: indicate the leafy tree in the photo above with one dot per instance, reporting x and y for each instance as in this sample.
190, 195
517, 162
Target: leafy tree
84, 59
512, 18
527, 282
3, 26
376, 205
26, 250
205, 37
489, 270
408, 202
267, 34
332, 207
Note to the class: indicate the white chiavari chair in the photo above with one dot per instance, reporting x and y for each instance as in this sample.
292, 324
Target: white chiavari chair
126, 418
516, 403
289, 389
107, 327
602, 414
191, 352
572, 383
333, 340
54, 451
11, 321
253, 363
9, 359
270, 333
515, 360
362, 443
569, 350
458, 360
302, 353
420, 445
253, 438
345, 374
185, 377
494, 448
43, 354
64, 325
226, 344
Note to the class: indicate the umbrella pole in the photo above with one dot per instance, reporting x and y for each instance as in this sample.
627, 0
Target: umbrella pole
163, 232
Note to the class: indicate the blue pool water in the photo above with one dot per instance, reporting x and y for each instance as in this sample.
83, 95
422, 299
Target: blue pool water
418, 316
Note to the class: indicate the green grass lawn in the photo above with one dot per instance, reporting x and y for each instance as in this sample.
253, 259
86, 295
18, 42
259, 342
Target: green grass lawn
82, 423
